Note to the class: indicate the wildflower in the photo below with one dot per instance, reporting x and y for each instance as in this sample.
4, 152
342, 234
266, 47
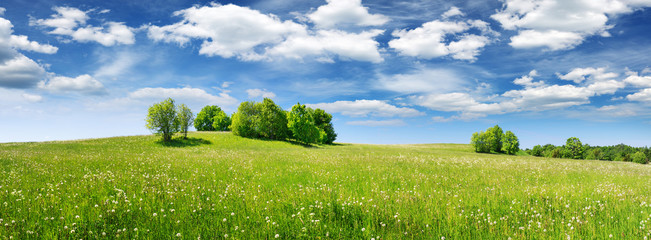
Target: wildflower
277, 236
225, 235
232, 214
155, 214
363, 229
224, 220
178, 234
135, 229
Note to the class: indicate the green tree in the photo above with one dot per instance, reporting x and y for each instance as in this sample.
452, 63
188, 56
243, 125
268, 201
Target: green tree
301, 123
510, 143
480, 143
185, 118
205, 118
245, 119
272, 120
574, 148
639, 157
221, 122
322, 120
161, 119
496, 138
537, 151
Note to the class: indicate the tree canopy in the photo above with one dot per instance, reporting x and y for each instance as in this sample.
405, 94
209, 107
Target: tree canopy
185, 119
205, 118
162, 119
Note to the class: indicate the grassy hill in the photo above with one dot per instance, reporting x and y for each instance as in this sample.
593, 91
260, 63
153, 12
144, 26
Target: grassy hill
216, 185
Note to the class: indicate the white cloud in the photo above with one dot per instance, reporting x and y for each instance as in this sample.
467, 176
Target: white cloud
254, 93
606, 87
642, 96
638, 81
20, 72
579, 75
183, 94
558, 25
442, 38
454, 11
549, 97
69, 21
82, 84
234, 31
378, 123
227, 30
527, 80
342, 13
354, 46
456, 102
552, 39
363, 108
422, 81
21, 42
32, 97
2, 10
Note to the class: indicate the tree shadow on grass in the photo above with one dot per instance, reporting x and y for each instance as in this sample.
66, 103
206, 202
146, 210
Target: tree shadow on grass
184, 142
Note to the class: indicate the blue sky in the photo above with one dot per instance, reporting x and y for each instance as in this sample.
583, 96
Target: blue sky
388, 71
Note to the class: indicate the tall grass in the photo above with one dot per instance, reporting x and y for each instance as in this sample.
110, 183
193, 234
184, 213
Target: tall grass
216, 185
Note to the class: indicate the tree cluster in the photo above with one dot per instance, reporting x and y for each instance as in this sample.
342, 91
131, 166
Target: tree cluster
166, 119
574, 149
495, 140
266, 120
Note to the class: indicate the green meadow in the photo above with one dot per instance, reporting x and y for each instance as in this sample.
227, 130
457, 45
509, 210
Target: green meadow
216, 185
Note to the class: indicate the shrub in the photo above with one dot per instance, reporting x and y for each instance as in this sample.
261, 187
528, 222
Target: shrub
205, 118
510, 143
272, 120
639, 157
244, 120
301, 123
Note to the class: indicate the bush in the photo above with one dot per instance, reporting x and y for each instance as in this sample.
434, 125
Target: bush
205, 118
301, 123
272, 120
510, 143
244, 120
322, 120
221, 122
639, 157
537, 151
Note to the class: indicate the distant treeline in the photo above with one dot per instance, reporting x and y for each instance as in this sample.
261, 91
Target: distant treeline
574, 149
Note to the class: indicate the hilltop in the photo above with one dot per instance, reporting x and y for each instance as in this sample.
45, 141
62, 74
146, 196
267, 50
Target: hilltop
216, 185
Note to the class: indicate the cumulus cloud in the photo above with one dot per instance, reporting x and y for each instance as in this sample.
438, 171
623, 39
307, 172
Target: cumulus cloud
378, 123
17, 70
579, 75
638, 81
527, 80
85, 84
254, 93
20, 72
642, 96
454, 11
535, 96
559, 25
442, 38
69, 21
326, 43
233, 31
364, 108
342, 13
